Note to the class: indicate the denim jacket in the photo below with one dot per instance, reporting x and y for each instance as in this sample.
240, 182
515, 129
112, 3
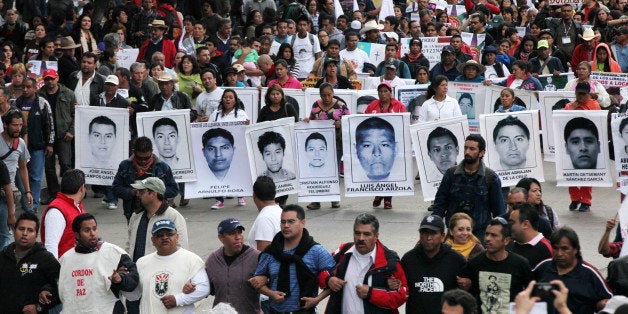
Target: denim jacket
477, 195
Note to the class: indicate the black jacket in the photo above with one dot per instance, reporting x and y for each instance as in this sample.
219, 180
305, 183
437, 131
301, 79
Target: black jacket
428, 278
96, 87
39, 124
414, 65
21, 282
66, 66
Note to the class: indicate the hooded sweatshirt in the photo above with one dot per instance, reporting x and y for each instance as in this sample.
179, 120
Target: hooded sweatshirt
613, 66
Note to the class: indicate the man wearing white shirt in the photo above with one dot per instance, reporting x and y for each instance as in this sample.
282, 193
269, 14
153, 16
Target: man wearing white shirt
356, 56
306, 47
86, 83
266, 224
207, 101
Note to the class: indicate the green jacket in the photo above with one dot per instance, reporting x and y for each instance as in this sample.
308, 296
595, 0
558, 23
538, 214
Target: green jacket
63, 110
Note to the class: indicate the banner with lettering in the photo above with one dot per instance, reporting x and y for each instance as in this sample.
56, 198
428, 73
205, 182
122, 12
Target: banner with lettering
610, 79
432, 48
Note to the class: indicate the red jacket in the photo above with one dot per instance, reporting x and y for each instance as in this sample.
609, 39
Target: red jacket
580, 54
168, 49
69, 211
395, 107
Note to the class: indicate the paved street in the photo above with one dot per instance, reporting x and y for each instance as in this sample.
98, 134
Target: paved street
330, 227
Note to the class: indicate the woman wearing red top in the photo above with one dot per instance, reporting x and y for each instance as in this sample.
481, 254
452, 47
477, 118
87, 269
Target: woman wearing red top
283, 77
385, 104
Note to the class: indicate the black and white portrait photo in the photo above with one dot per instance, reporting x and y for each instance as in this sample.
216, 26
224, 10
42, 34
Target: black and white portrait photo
550, 101
466, 101
172, 142
582, 155
413, 97
317, 160
379, 148
102, 137
512, 145
619, 131
272, 153
222, 162
438, 146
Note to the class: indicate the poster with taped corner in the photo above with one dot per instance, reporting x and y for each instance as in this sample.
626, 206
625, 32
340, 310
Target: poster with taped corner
221, 160
524, 98
169, 132
250, 98
102, 142
362, 99
471, 99
377, 155
272, 153
317, 161
413, 97
313, 94
582, 156
438, 146
548, 102
619, 133
513, 148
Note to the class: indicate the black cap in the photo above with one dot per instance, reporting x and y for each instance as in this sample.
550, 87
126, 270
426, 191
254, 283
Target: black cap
432, 222
583, 87
449, 49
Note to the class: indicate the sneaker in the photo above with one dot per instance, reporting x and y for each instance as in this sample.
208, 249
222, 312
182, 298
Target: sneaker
377, 201
584, 208
573, 205
241, 201
314, 205
387, 204
103, 202
112, 206
335, 204
218, 205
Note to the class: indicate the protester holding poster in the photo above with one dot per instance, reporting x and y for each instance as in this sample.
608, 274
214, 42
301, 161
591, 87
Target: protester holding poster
583, 75
329, 107
521, 78
439, 105
507, 102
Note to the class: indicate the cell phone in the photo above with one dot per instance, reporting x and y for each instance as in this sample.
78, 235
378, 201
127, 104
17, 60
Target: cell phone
543, 290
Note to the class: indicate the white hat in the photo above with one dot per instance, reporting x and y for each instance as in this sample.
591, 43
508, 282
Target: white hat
588, 34
113, 80
371, 25
356, 25
391, 35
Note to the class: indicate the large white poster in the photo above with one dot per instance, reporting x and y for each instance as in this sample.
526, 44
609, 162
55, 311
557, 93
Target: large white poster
582, 148
313, 94
102, 142
470, 97
525, 98
171, 140
413, 97
513, 149
378, 155
362, 100
438, 146
548, 102
272, 153
221, 160
619, 131
432, 47
316, 157
250, 98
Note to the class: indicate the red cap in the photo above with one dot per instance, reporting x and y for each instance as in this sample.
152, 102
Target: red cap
51, 73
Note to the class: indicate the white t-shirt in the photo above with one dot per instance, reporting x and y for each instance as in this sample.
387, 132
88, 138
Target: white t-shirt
265, 226
357, 58
491, 74
230, 117
304, 53
206, 102
13, 160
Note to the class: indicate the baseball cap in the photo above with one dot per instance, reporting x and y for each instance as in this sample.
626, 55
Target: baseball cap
449, 49
384, 84
390, 63
151, 183
391, 35
229, 225
543, 43
432, 222
583, 87
356, 25
50, 73
112, 79
231, 70
162, 224
238, 67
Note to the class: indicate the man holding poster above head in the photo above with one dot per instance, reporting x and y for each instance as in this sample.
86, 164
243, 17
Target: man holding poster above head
472, 188
582, 143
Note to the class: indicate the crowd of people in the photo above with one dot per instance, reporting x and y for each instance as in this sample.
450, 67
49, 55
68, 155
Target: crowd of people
195, 55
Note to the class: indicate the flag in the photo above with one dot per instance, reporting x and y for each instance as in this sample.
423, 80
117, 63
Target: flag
387, 9
338, 8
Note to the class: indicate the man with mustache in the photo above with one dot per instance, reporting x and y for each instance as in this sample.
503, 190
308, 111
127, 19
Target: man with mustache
471, 187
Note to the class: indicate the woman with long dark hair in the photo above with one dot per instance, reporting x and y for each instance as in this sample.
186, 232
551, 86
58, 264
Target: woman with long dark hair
533, 186
439, 105
83, 35
286, 52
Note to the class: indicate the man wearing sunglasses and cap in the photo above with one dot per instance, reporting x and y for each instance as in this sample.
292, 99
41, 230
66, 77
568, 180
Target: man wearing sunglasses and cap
164, 273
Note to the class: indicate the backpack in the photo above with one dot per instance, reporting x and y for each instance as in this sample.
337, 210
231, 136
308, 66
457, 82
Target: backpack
294, 38
16, 142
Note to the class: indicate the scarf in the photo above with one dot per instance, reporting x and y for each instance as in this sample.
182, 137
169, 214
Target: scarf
141, 170
80, 248
88, 46
464, 249
307, 280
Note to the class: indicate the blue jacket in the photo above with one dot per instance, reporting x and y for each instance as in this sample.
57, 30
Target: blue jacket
127, 174
480, 193
451, 74
403, 71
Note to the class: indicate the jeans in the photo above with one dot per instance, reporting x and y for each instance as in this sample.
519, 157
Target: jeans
35, 174
107, 190
5, 232
62, 149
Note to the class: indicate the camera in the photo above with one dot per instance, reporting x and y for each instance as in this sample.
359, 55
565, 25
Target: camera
543, 290
465, 207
